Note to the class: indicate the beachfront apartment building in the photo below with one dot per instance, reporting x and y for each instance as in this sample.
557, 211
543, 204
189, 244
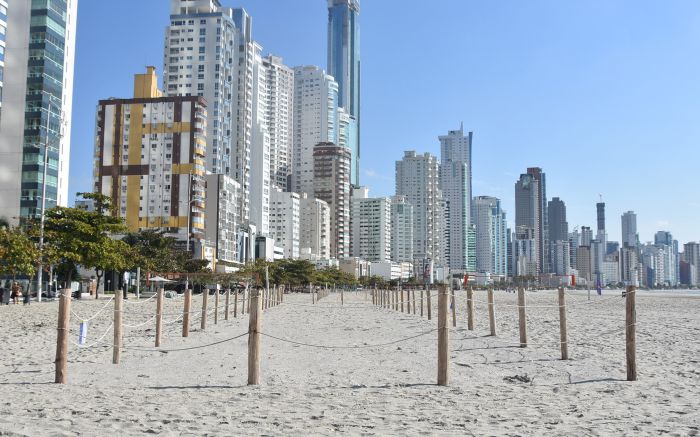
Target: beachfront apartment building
418, 180
370, 224
279, 112
37, 56
149, 159
331, 181
315, 121
401, 230
222, 220
491, 235
285, 221
314, 228
456, 186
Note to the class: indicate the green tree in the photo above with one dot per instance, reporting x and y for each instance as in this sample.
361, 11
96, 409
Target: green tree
86, 238
18, 253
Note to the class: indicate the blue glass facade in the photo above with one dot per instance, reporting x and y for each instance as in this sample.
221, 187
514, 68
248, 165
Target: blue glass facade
42, 121
344, 66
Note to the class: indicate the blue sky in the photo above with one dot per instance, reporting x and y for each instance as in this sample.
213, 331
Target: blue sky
603, 95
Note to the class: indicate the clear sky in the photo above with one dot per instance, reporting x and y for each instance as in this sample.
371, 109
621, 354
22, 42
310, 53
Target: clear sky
604, 95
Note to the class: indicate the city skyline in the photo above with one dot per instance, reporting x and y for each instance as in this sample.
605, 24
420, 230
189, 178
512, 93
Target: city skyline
611, 126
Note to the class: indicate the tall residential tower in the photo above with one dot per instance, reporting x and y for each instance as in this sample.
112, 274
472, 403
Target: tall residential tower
344, 66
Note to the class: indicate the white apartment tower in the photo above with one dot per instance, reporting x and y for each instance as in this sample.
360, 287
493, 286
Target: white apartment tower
314, 228
315, 116
260, 177
370, 226
279, 119
37, 55
491, 235
418, 180
456, 185
209, 52
401, 229
285, 221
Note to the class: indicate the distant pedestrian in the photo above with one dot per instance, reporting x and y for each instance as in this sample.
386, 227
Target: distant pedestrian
16, 289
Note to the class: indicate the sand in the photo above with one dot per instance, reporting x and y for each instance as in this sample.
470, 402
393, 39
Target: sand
496, 387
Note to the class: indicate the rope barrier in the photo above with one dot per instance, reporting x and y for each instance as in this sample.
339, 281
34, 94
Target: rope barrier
94, 315
368, 346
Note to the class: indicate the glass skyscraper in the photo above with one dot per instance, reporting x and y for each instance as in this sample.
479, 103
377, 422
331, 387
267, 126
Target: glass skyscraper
37, 75
344, 66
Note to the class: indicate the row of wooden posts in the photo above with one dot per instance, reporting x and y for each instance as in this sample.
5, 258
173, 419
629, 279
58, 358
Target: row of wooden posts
391, 299
266, 298
398, 299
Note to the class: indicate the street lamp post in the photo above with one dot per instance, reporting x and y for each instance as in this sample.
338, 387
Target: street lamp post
39, 273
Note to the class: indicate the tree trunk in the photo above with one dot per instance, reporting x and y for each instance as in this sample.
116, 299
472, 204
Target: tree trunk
97, 285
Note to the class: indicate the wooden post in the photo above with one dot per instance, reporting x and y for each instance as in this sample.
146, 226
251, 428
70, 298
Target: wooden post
117, 343
342, 297
186, 313
243, 302
159, 316
443, 336
413, 294
226, 303
562, 325
428, 304
205, 299
401, 291
421, 302
216, 305
470, 308
521, 317
396, 300
61, 376
235, 304
631, 332
254, 325
492, 313
454, 308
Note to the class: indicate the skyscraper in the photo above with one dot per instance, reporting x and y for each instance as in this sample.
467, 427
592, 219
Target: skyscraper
401, 229
600, 212
149, 159
315, 121
417, 179
331, 181
456, 185
630, 238
543, 230
279, 119
528, 219
36, 83
558, 226
370, 220
209, 52
344, 66
491, 235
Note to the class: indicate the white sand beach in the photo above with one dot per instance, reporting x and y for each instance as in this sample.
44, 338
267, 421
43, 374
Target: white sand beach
496, 387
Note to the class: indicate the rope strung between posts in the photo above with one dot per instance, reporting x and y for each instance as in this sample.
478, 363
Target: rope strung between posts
366, 346
94, 315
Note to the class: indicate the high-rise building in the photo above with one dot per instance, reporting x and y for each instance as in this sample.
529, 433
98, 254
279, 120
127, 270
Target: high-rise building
583, 263
37, 54
209, 52
279, 119
260, 168
456, 185
417, 179
560, 255
586, 236
665, 241
525, 251
530, 212
149, 159
331, 181
315, 121
491, 235
370, 220
285, 219
600, 214
314, 228
221, 222
630, 238
630, 268
344, 66
558, 226
691, 256
401, 229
